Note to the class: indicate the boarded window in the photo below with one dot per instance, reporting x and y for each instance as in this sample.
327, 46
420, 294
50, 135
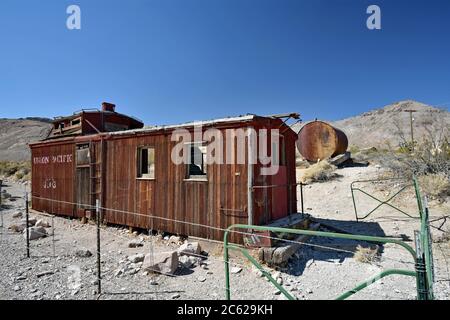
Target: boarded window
197, 166
146, 163
83, 156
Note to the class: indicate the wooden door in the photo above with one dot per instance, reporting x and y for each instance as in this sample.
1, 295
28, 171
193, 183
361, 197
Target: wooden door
83, 180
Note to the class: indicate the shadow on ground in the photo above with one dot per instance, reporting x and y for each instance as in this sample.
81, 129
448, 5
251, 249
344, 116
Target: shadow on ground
331, 249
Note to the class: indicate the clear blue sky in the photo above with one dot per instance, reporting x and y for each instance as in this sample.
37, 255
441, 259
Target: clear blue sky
169, 61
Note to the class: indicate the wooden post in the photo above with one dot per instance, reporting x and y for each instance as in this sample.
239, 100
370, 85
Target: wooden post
1, 208
99, 276
411, 119
27, 230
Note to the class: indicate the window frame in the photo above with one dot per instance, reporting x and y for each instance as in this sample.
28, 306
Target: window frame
139, 163
197, 177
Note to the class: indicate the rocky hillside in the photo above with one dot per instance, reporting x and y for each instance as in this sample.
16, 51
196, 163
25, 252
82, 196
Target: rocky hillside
15, 134
390, 125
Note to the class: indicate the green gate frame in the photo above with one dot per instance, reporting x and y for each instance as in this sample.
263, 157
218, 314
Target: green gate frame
422, 257
382, 202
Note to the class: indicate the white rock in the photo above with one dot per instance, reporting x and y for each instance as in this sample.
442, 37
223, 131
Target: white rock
175, 296
175, 240
16, 288
201, 279
189, 248
42, 223
235, 270
163, 262
118, 272
188, 261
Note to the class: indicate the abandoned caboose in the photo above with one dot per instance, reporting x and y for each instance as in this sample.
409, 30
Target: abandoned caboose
110, 157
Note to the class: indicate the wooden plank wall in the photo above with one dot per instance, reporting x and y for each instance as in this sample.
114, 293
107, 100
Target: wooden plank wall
53, 179
218, 202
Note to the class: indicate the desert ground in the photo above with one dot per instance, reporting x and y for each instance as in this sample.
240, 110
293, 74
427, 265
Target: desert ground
322, 268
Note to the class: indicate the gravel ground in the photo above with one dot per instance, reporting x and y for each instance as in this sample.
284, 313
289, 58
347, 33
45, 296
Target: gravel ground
322, 268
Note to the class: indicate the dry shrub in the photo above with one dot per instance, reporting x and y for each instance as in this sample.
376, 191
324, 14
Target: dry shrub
366, 255
321, 171
17, 170
435, 185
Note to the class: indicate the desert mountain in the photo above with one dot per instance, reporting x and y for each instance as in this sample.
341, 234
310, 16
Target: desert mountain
15, 134
384, 127
389, 126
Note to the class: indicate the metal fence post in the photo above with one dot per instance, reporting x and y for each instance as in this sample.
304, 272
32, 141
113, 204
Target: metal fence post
422, 292
99, 277
27, 230
53, 236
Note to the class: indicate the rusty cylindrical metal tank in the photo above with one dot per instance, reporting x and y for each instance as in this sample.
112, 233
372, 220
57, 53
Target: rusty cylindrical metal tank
318, 140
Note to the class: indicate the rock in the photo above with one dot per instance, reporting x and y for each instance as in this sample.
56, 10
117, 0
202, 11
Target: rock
83, 253
5, 195
31, 221
17, 227
45, 273
309, 291
16, 288
190, 248
42, 223
175, 240
135, 244
188, 261
35, 233
175, 296
163, 262
139, 257
258, 272
277, 292
153, 283
119, 272
75, 292
280, 281
201, 279
17, 215
235, 270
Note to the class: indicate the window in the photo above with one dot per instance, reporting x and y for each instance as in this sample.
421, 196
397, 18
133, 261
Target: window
75, 122
197, 165
146, 163
83, 156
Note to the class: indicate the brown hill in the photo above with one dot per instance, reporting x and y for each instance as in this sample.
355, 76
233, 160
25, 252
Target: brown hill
15, 134
389, 126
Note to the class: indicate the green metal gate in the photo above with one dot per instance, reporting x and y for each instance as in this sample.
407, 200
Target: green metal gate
422, 255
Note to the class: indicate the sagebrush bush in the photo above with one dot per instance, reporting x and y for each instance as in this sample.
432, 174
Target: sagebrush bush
429, 162
435, 185
366, 255
321, 171
18, 170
